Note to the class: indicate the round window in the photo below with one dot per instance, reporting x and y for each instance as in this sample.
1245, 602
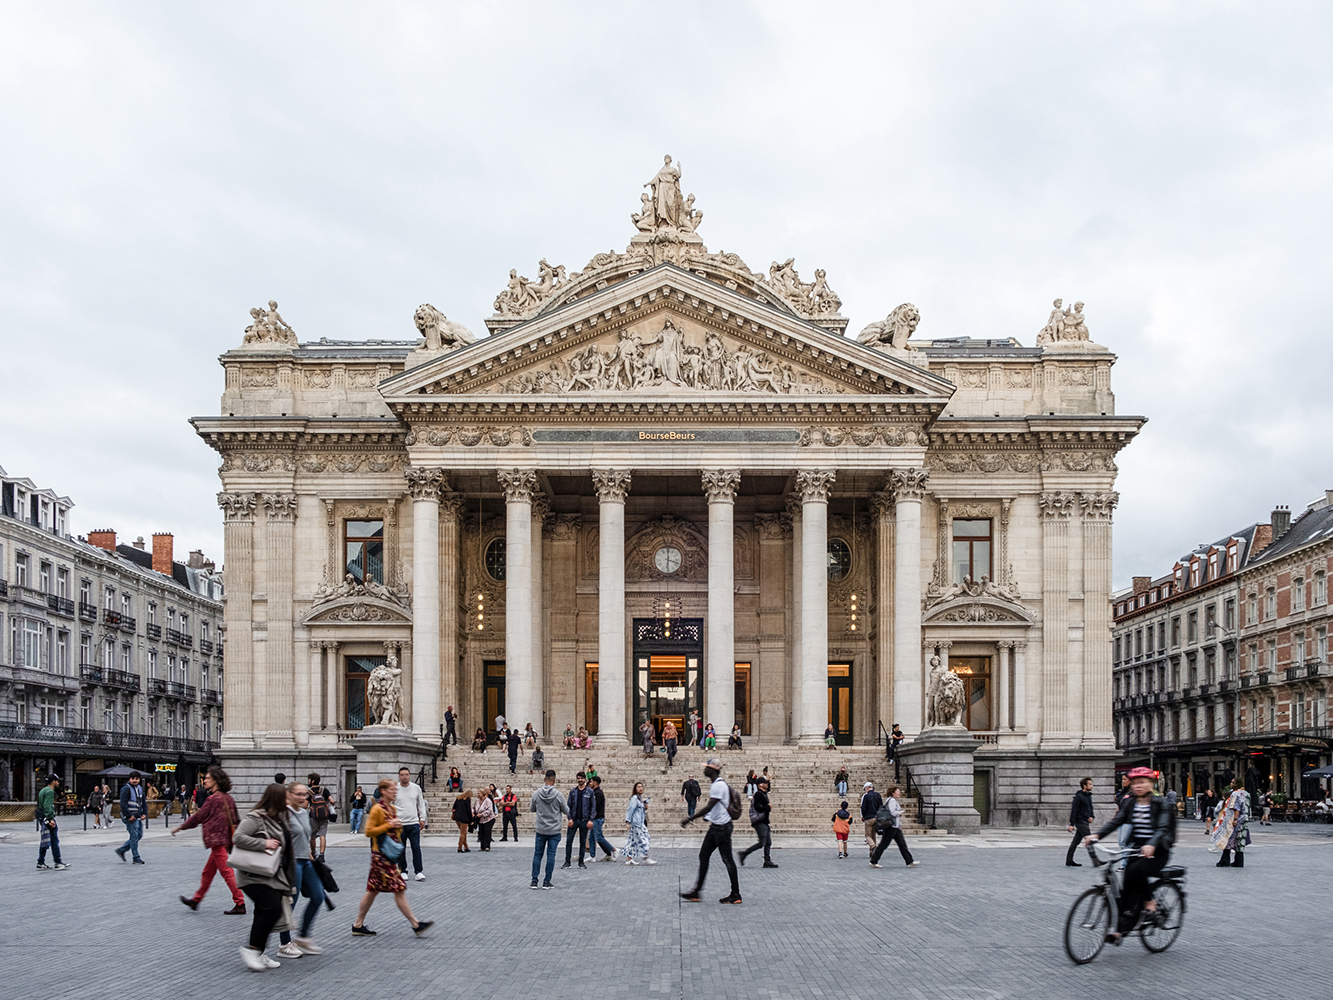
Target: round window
667, 559
839, 560
495, 559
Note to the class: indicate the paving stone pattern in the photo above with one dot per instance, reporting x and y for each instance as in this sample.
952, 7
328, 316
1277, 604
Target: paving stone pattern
966, 924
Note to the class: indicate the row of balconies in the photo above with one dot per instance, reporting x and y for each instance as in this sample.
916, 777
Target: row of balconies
155, 686
71, 736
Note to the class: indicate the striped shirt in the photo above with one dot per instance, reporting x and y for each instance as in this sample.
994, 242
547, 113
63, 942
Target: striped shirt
1142, 822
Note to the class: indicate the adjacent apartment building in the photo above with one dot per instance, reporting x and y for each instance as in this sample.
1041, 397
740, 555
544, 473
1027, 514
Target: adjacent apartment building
1220, 667
111, 653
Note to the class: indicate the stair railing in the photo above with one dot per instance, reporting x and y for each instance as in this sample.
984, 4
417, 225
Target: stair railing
441, 753
914, 791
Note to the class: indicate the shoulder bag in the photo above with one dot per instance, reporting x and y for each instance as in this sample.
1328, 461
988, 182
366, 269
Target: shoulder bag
391, 849
265, 863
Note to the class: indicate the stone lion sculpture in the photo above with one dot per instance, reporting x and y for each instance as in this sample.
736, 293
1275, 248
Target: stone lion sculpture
384, 692
893, 330
440, 331
945, 697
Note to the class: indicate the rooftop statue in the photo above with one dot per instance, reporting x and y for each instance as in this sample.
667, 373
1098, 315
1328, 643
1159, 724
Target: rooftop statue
1064, 325
268, 327
893, 330
441, 333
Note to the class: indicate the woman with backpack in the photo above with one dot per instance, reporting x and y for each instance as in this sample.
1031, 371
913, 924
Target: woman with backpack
889, 821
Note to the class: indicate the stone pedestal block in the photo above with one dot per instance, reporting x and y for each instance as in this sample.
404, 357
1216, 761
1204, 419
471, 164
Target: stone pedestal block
382, 750
940, 760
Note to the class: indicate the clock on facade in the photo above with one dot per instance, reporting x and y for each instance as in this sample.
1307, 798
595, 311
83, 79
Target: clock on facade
667, 559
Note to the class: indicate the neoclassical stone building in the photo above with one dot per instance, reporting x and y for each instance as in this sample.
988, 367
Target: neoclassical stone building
667, 484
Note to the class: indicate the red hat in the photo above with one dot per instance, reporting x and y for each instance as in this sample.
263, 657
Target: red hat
1142, 772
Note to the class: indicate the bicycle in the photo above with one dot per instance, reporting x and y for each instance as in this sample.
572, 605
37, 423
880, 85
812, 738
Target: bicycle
1096, 913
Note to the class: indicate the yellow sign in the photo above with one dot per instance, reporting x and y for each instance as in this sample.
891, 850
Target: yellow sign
166, 767
666, 436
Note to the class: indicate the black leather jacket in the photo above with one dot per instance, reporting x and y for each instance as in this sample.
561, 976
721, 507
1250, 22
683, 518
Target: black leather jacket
1160, 813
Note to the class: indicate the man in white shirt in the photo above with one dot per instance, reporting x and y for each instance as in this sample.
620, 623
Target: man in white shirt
411, 806
718, 837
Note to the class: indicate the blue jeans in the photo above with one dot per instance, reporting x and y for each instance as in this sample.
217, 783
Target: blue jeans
55, 845
411, 835
135, 828
357, 816
547, 842
598, 840
307, 881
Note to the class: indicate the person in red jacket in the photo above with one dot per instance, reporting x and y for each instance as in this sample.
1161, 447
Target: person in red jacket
218, 817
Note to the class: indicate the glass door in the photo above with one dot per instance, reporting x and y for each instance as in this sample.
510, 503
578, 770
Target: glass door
357, 712
495, 694
840, 702
666, 690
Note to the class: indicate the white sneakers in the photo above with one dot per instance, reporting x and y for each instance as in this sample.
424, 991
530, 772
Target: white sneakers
645, 861
257, 961
307, 946
421, 877
649, 861
290, 950
631, 861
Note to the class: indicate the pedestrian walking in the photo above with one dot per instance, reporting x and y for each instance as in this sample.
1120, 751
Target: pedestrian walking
1080, 820
108, 801
410, 806
548, 806
582, 810
46, 816
689, 794
450, 734
649, 735
721, 810
95, 806
842, 828
669, 738
871, 801
890, 826
1231, 829
358, 809
483, 812
462, 817
264, 832
1267, 800
637, 842
218, 816
384, 827
597, 838
307, 882
840, 783
132, 806
508, 814
321, 811
760, 810
513, 743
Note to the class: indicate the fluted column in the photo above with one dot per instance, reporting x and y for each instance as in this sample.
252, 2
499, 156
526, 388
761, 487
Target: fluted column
885, 513
814, 489
332, 684
307, 693
1097, 512
541, 506
451, 508
720, 704
425, 486
279, 652
794, 718
909, 489
1056, 509
1020, 686
238, 676
519, 485
611, 486
1002, 713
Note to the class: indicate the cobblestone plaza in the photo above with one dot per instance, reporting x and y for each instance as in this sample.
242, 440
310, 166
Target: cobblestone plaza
981, 918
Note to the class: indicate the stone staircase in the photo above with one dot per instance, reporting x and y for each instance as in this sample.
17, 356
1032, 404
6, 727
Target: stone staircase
802, 792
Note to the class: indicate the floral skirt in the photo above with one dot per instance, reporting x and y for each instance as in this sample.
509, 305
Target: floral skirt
637, 844
384, 875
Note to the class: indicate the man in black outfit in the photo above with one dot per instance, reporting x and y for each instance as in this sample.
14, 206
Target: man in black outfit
450, 733
512, 744
870, 806
718, 837
689, 791
1080, 819
582, 812
759, 812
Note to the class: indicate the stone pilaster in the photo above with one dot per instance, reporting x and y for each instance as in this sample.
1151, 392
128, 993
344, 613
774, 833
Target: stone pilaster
720, 703
451, 508
909, 489
519, 485
541, 506
814, 490
425, 486
1056, 509
279, 665
611, 486
238, 511
885, 528
1097, 513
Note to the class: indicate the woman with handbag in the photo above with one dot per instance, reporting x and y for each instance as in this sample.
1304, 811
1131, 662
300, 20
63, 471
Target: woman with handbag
265, 870
462, 815
384, 829
218, 817
483, 811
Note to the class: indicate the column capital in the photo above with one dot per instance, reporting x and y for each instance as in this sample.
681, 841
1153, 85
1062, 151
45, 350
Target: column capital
424, 484
611, 484
793, 507
451, 506
908, 484
1004, 644
1098, 506
1056, 504
883, 504
771, 526
720, 484
519, 485
279, 506
238, 506
814, 486
565, 527
541, 506
316, 646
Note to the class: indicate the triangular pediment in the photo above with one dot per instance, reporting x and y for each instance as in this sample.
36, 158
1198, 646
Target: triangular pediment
668, 332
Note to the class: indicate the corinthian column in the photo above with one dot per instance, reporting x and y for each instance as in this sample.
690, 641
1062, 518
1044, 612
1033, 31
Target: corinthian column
611, 486
1097, 511
909, 489
518, 486
1056, 509
540, 507
279, 654
885, 512
814, 487
425, 486
238, 678
720, 705
451, 506
795, 718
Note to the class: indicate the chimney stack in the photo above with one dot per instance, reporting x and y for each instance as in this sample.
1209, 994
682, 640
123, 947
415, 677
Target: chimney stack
138, 543
103, 538
162, 554
1281, 521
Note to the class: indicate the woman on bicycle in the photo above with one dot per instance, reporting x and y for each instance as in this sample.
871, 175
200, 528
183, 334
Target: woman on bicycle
1152, 831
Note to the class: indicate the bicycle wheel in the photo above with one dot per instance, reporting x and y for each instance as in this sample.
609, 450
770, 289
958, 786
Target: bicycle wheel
1087, 925
1161, 931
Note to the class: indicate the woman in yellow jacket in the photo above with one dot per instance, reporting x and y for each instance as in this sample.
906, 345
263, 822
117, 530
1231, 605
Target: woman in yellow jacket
383, 824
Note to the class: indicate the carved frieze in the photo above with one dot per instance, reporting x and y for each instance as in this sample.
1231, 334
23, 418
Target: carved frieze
1078, 461
986, 462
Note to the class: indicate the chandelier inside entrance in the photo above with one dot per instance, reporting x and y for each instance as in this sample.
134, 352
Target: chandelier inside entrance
667, 610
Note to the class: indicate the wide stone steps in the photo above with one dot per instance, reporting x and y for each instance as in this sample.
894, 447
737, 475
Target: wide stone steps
803, 795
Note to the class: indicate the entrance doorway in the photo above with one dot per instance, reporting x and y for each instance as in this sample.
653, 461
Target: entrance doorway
356, 679
840, 701
666, 672
591, 673
975, 672
495, 694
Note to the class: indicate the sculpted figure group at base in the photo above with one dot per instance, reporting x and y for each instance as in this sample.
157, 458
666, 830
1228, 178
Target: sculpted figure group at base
523, 297
1064, 324
945, 696
269, 327
809, 298
384, 692
662, 207
668, 360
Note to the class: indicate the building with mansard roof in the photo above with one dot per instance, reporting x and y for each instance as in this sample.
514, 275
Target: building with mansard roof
666, 484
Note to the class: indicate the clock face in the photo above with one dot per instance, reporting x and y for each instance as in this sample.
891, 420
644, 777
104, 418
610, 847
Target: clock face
667, 559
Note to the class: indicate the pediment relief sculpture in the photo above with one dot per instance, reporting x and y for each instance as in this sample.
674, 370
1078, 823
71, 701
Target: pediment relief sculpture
977, 611
968, 587
358, 610
686, 559
349, 588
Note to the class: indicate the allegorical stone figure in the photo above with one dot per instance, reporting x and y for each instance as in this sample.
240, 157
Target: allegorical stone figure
945, 697
668, 205
384, 691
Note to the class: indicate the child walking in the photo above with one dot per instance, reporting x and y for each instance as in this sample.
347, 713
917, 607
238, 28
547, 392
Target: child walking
842, 826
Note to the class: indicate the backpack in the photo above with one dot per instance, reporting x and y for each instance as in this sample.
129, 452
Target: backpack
319, 805
884, 818
841, 826
735, 805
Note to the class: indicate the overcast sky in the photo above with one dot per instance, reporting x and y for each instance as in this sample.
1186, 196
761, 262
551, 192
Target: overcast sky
168, 166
